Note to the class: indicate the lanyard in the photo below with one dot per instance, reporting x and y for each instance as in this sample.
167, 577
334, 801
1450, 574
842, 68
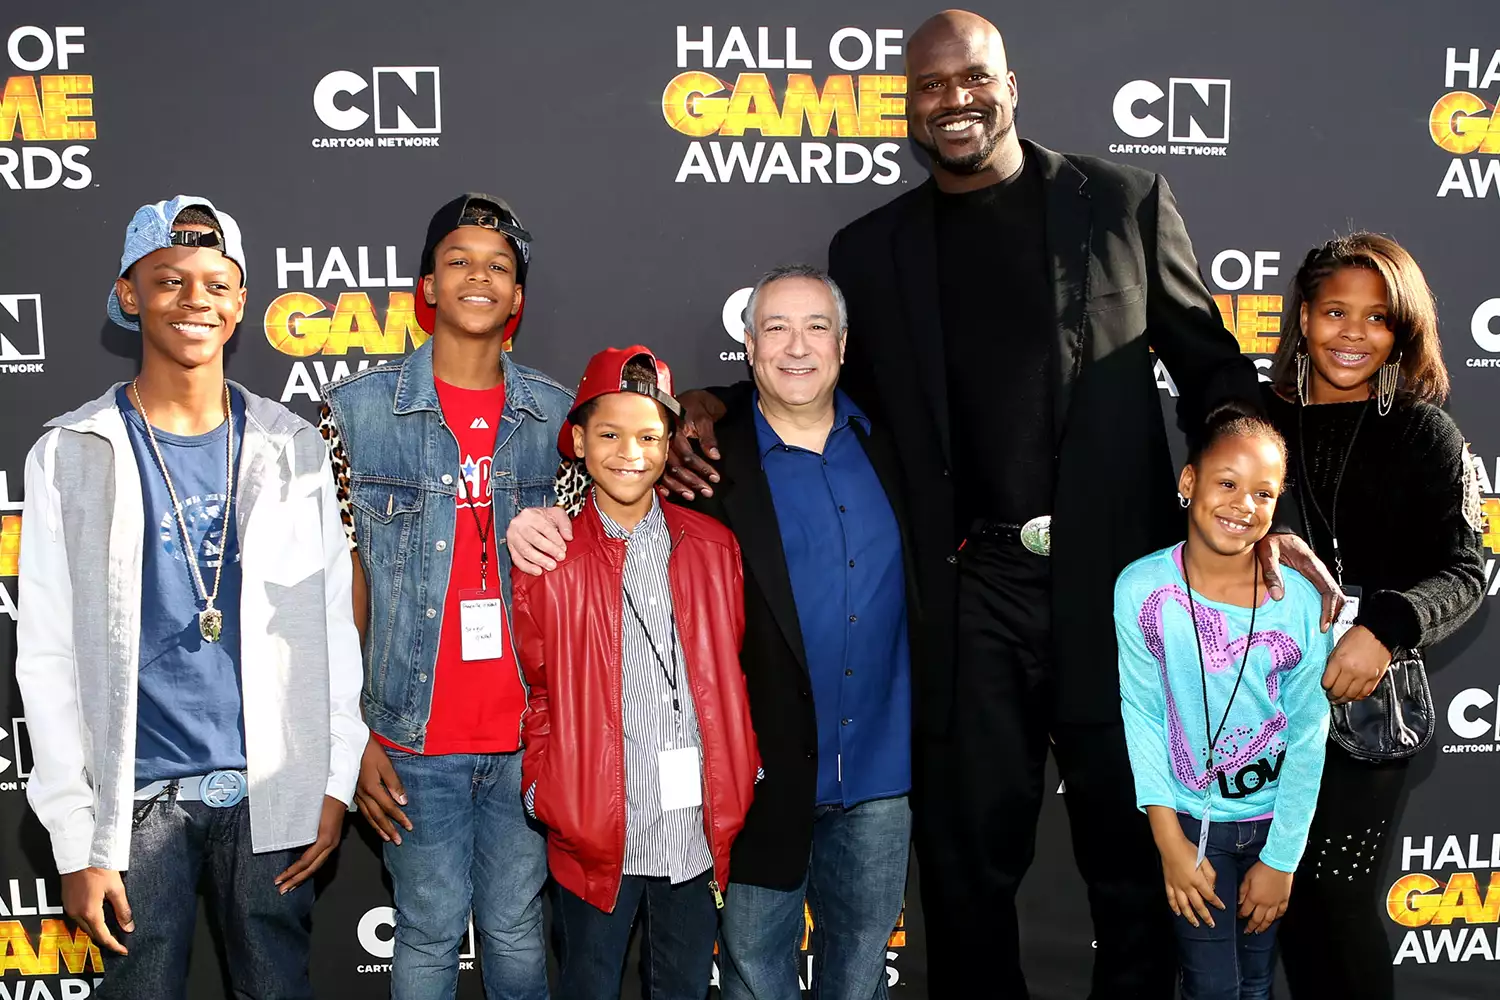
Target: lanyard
1330, 524
1213, 738
485, 530
672, 677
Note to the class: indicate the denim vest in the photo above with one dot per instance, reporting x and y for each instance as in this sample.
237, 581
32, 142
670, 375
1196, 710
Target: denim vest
403, 488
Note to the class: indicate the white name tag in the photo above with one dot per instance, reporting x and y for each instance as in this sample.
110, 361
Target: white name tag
1350, 611
681, 785
1202, 837
482, 621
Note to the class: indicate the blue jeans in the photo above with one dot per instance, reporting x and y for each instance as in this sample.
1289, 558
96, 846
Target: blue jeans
855, 884
677, 940
267, 936
470, 847
1223, 962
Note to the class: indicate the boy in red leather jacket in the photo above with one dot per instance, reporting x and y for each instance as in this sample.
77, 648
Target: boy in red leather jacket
639, 754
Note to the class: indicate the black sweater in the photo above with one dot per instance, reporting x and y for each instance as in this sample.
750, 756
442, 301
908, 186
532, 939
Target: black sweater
1408, 511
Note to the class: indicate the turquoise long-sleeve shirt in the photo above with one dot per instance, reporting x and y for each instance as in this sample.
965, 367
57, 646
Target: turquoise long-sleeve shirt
1268, 759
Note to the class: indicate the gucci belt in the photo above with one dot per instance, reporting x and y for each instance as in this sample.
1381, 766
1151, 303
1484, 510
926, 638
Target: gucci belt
216, 789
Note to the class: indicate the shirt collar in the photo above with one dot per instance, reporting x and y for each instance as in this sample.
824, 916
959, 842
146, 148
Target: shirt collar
844, 411
653, 522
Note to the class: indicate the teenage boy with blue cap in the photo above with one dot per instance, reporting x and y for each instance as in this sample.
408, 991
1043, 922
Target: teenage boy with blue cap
189, 716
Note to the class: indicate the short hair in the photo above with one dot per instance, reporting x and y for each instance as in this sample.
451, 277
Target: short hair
796, 271
1413, 313
637, 369
198, 215
1232, 419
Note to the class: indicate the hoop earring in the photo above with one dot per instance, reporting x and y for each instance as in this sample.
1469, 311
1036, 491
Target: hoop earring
1385, 385
1184, 502
1303, 361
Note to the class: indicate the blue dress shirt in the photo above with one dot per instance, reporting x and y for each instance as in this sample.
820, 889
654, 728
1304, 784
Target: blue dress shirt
843, 554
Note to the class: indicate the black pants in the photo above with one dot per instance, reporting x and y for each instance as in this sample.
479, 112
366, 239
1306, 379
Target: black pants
1333, 940
981, 788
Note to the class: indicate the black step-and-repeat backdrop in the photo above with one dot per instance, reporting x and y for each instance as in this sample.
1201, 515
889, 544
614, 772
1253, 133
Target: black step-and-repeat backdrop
664, 154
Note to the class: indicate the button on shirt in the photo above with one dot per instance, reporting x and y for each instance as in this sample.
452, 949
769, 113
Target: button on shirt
843, 554
657, 843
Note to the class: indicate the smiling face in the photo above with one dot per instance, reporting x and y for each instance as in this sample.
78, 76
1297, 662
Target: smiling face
189, 300
473, 283
1233, 490
1347, 333
623, 444
794, 344
960, 95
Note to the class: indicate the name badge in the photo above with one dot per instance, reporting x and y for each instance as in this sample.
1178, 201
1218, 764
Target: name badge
1202, 837
681, 786
481, 620
1346, 616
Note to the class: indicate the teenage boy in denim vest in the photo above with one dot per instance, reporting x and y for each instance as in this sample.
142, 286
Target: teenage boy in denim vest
433, 458
193, 719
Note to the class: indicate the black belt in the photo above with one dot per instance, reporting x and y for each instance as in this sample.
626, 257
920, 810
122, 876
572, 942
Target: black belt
1000, 531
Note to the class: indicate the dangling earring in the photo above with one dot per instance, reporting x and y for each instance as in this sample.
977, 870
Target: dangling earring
1302, 362
1183, 502
1385, 385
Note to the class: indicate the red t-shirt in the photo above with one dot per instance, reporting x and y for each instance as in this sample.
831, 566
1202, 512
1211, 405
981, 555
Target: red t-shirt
476, 704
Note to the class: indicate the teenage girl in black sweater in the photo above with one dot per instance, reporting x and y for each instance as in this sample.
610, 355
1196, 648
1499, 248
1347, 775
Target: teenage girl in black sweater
1377, 465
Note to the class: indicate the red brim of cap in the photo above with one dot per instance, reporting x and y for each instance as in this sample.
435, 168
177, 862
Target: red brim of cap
427, 317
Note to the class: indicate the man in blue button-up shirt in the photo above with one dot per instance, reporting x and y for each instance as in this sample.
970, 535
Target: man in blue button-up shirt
843, 553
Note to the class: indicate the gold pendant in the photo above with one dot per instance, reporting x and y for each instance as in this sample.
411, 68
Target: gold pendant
211, 623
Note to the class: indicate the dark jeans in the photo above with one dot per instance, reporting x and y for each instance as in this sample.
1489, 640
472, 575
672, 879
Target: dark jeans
1333, 940
267, 935
855, 886
678, 925
980, 791
1223, 962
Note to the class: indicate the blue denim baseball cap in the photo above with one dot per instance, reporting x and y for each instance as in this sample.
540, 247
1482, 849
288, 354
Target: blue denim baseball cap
151, 230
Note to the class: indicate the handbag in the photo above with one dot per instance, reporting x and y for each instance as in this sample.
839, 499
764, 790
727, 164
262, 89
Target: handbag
1395, 721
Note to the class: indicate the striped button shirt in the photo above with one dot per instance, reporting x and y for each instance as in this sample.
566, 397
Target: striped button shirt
656, 843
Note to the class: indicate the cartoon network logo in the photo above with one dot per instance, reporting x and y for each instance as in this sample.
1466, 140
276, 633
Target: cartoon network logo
23, 345
1193, 111
400, 105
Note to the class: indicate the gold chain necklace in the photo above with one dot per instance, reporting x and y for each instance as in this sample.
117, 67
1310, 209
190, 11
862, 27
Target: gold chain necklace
210, 619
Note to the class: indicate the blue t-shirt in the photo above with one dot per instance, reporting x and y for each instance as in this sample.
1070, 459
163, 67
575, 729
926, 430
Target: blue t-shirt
1268, 759
189, 717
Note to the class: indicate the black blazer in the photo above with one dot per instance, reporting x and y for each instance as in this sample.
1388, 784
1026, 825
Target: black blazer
774, 847
1125, 283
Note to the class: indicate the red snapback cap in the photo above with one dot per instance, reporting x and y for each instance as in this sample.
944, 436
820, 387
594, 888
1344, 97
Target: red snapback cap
606, 374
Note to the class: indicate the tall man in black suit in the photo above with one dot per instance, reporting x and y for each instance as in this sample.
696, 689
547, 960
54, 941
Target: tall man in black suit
1007, 311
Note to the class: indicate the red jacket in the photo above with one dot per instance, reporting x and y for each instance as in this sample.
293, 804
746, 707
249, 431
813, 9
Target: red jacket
568, 628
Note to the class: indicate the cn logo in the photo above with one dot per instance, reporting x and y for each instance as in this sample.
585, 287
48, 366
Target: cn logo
1483, 326
21, 328
1197, 109
405, 100
734, 313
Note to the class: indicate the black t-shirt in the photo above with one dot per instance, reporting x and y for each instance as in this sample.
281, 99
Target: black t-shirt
999, 330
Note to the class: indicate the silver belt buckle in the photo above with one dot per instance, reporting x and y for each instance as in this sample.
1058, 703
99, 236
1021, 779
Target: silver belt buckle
1036, 535
222, 789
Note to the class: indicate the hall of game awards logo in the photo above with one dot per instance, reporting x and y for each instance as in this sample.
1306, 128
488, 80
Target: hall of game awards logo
863, 106
1452, 918
46, 111
1187, 117
390, 106
1463, 122
323, 311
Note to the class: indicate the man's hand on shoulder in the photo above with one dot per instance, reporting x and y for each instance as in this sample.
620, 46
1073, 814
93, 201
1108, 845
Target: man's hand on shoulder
537, 537
689, 473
